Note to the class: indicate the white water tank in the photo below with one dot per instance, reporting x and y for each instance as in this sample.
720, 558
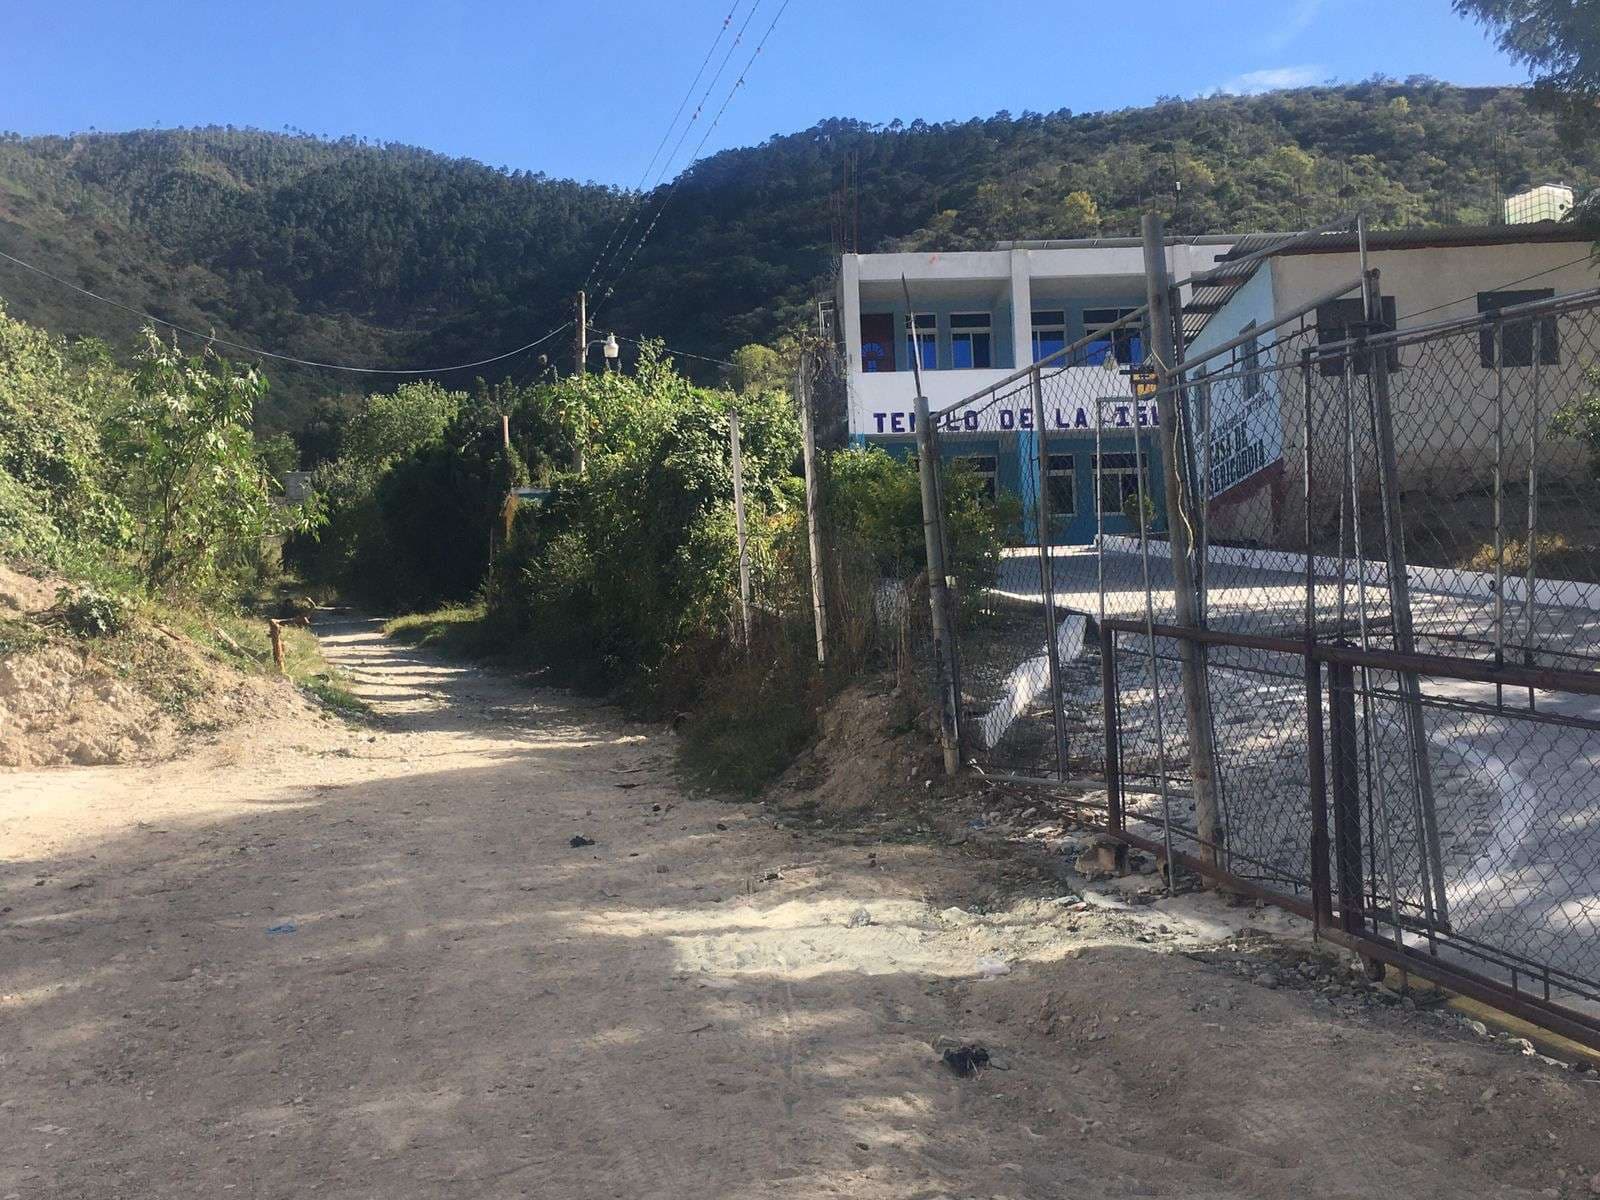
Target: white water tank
1547, 202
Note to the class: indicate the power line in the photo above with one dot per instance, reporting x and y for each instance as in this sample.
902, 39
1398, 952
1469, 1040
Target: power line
1499, 287
288, 358
672, 155
721, 362
727, 22
610, 287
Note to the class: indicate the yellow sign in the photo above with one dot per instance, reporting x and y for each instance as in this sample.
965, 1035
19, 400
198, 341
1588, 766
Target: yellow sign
1145, 382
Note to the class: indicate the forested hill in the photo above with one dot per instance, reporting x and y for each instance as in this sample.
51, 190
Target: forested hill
395, 256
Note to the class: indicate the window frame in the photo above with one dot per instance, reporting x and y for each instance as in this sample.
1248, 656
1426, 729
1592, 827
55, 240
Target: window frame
964, 330
1054, 473
1055, 322
1124, 340
990, 474
1250, 362
1518, 355
1334, 320
1119, 470
927, 336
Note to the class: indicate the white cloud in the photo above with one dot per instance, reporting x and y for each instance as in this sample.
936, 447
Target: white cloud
1272, 79
1296, 21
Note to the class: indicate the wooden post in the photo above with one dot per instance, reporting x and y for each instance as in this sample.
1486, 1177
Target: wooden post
739, 525
933, 547
1180, 510
808, 445
275, 628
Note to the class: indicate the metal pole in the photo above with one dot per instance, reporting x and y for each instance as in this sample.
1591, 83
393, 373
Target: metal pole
1530, 612
1346, 798
1179, 510
1099, 507
1046, 571
933, 547
1376, 790
1115, 818
1382, 415
808, 447
1317, 775
739, 525
1499, 506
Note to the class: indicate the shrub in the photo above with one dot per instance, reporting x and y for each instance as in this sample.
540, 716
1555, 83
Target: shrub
634, 561
90, 613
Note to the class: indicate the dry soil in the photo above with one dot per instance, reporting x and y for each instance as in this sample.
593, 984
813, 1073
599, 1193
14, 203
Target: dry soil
368, 962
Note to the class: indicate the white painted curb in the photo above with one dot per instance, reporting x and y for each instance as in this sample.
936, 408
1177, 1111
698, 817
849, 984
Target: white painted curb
1563, 593
1028, 680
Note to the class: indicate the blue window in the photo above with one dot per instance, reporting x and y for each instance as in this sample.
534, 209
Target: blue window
922, 343
971, 340
1127, 343
1049, 333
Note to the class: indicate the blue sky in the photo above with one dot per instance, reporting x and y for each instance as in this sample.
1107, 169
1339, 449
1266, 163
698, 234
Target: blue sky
587, 90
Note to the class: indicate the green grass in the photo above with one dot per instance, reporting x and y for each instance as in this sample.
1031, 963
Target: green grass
244, 640
18, 635
462, 630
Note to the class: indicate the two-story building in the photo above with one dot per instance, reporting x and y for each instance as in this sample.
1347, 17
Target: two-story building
982, 315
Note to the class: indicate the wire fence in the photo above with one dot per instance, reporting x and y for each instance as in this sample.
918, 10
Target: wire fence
1396, 614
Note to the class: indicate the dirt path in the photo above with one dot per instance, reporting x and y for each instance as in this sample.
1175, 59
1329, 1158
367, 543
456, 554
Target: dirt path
367, 963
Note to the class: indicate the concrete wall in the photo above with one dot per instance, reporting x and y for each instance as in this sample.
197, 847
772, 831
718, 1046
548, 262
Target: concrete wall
1445, 400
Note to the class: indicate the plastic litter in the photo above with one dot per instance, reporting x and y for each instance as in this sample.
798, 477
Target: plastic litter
579, 840
993, 968
286, 927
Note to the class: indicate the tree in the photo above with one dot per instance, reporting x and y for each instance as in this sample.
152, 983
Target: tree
199, 498
1559, 42
1080, 216
758, 368
392, 425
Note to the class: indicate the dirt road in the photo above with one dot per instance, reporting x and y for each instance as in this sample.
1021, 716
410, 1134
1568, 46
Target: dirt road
337, 962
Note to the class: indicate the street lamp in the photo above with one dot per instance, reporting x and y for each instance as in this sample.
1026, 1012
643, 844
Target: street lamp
611, 349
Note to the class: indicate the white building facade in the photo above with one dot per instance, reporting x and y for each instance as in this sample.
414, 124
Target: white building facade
982, 315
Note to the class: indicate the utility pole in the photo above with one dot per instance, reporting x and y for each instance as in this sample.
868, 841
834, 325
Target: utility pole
580, 369
581, 366
1180, 510
739, 525
808, 445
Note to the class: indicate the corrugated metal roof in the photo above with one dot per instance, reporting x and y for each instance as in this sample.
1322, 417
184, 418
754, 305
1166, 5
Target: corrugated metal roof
1207, 298
1218, 290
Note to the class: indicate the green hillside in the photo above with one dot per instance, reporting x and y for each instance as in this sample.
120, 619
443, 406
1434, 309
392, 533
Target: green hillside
389, 255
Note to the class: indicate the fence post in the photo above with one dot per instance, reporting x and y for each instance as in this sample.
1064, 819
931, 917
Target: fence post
739, 526
933, 546
1317, 776
1394, 544
1047, 591
275, 631
808, 446
1202, 753
1115, 818
1346, 798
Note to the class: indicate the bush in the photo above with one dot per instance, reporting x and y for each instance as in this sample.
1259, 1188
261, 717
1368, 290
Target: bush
875, 501
634, 561
90, 613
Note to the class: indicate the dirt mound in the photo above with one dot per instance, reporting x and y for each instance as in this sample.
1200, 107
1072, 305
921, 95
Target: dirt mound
24, 594
873, 753
133, 697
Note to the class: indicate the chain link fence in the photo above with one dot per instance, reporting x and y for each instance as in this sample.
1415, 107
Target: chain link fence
1396, 593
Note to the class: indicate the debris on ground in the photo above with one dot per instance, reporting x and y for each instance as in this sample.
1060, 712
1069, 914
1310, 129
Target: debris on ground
578, 841
966, 1061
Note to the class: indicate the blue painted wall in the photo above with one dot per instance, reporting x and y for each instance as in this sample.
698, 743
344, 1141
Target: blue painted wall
1016, 473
